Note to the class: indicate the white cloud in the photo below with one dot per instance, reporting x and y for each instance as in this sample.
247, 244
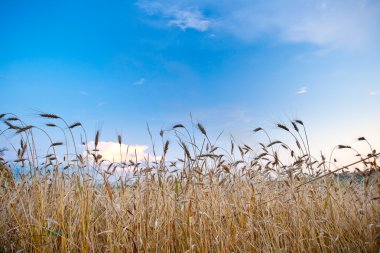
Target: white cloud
111, 151
185, 19
302, 90
374, 93
179, 16
141, 81
339, 24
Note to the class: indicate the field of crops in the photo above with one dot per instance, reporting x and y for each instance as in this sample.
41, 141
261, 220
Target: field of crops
271, 198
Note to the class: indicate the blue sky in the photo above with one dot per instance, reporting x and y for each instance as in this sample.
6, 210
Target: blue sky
234, 65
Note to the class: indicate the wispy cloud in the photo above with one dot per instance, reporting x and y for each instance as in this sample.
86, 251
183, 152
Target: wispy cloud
185, 19
340, 24
84, 93
302, 90
374, 93
177, 15
141, 81
336, 24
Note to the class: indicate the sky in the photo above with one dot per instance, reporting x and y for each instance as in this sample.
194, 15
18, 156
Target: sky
232, 65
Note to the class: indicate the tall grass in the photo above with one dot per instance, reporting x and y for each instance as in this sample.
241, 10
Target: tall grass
267, 198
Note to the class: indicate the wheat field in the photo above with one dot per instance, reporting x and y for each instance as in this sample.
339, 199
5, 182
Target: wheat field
274, 197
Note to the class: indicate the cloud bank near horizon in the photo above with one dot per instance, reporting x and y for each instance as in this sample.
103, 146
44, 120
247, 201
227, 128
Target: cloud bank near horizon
114, 152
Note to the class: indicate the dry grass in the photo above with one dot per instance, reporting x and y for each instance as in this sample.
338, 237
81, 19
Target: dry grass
209, 200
